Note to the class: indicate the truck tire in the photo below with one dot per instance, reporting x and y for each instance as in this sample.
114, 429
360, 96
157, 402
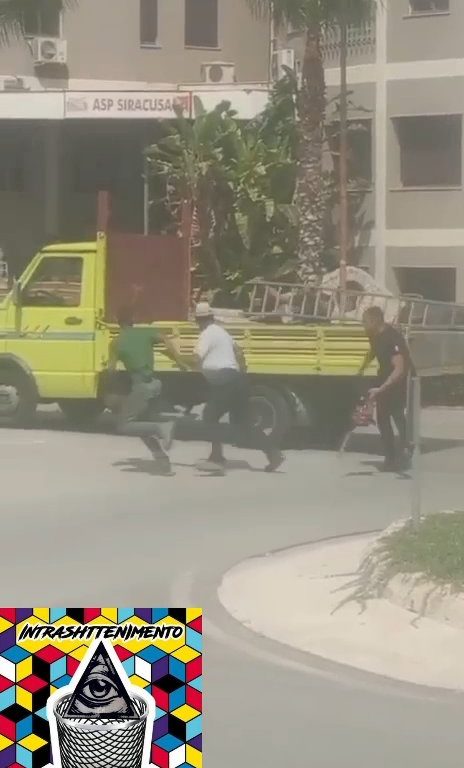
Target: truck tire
81, 413
17, 387
271, 411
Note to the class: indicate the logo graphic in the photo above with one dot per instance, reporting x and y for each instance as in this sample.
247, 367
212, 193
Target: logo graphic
100, 688
76, 105
102, 722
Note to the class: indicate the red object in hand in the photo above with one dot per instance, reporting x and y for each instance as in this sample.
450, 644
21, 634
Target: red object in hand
363, 415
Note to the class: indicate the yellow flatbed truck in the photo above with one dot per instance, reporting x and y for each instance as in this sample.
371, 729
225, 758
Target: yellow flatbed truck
57, 321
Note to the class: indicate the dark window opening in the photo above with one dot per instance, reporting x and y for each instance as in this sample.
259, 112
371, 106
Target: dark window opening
359, 151
430, 150
201, 23
44, 21
428, 6
11, 164
97, 164
148, 22
432, 283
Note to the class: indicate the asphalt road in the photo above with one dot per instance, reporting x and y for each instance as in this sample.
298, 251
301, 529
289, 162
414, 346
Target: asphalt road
84, 522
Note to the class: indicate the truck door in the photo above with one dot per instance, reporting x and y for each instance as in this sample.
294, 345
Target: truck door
55, 324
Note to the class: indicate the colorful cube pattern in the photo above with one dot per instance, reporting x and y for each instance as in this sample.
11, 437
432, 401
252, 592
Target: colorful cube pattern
171, 670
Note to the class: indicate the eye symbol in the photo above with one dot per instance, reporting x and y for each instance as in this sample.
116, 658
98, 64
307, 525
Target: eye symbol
99, 689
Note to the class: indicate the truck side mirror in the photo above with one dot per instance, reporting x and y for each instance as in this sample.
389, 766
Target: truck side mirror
16, 293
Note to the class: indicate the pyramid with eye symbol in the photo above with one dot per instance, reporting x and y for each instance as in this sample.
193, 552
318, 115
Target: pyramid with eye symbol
100, 693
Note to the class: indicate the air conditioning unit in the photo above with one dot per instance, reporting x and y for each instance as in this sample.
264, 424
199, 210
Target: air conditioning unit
285, 57
218, 73
49, 50
12, 84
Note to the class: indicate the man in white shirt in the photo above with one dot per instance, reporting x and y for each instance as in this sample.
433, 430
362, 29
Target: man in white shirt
222, 363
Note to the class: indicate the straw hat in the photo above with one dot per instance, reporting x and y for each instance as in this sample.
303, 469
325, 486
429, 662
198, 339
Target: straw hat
203, 309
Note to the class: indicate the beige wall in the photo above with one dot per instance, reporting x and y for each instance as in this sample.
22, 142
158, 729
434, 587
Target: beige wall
427, 208
103, 43
421, 38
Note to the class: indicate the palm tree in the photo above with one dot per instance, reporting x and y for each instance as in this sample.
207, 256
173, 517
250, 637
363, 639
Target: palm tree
12, 13
311, 17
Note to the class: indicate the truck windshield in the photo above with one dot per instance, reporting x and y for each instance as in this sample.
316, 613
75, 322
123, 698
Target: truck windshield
57, 281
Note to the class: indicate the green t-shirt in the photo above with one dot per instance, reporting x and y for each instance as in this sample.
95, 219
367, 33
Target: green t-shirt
134, 347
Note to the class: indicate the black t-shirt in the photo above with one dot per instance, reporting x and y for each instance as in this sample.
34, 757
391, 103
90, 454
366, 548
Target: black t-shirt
385, 346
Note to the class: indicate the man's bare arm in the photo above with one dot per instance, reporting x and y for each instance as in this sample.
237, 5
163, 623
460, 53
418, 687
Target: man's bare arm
171, 351
396, 375
367, 361
113, 355
240, 357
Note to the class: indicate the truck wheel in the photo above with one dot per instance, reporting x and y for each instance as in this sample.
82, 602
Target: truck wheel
81, 413
18, 398
270, 411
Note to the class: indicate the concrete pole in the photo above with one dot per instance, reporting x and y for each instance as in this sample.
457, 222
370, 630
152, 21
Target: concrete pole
381, 126
52, 191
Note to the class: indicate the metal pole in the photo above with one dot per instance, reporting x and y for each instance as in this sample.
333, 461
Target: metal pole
415, 419
146, 200
343, 146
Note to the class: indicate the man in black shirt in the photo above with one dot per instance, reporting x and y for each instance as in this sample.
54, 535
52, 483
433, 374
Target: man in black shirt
391, 350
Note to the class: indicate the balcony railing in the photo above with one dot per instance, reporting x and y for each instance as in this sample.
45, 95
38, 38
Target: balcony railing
361, 42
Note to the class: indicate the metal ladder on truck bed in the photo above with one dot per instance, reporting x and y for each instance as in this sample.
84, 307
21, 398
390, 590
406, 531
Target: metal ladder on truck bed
434, 329
298, 303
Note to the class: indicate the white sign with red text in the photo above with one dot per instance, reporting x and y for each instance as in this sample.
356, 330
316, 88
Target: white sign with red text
142, 105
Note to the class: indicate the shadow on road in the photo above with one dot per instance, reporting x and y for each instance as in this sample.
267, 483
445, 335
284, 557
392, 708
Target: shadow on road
190, 429
147, 466
370, 444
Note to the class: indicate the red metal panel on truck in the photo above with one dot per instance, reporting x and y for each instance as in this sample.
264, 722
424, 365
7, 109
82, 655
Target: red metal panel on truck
149, 273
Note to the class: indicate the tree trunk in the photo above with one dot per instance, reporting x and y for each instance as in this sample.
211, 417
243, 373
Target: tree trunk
310, 191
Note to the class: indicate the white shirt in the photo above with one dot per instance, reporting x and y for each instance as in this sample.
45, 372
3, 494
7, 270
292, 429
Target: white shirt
215, 348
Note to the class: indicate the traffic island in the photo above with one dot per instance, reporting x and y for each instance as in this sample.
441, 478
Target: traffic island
392, 604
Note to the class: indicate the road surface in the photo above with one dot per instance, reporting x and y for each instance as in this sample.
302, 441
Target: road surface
83, 522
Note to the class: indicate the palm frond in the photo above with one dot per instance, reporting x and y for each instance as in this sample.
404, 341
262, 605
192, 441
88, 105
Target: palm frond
13, 12
303, 13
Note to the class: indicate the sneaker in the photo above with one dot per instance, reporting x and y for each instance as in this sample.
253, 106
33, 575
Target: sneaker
211, 467
276, 459
405, 462
212, 459
163, 467
389, 466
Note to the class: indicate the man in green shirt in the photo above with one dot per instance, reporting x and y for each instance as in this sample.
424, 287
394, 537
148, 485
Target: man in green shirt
133, 347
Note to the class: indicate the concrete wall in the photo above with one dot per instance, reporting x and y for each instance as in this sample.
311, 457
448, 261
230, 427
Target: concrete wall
104, 43
422, 37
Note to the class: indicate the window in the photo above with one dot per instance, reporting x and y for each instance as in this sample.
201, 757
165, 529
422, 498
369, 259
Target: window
45, 21
97, 164
11, 164
428, 6
57, 282
430, 150
433, 283
359, 151
148, 22
201, 23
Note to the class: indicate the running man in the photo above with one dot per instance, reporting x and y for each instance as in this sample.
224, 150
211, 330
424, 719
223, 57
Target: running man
223, 365
134, 348
389, 347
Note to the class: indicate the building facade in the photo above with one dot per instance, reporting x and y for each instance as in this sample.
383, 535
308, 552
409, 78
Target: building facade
84, 91
406, 77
